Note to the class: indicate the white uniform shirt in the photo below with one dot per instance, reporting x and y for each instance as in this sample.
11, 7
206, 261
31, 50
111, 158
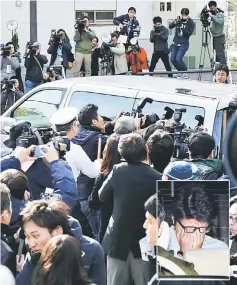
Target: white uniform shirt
79, 161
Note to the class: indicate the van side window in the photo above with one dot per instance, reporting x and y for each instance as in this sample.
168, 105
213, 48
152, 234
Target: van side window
38, 108
109, 105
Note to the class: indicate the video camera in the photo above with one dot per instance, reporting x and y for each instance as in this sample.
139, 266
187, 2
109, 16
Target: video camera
5, 50
80, 24
204, 16
54, 37
32, 136
7, 84
32, 47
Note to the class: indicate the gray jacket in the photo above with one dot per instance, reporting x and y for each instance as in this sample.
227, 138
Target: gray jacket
217, 25
13, 62
120, 62
160, 42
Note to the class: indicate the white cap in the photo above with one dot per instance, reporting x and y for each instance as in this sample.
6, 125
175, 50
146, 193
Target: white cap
64, 116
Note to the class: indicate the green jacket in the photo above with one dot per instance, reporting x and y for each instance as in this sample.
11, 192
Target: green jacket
217, 26
83, 41
207, 169
185, 266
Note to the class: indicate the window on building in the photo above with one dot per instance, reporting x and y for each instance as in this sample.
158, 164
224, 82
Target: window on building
168, 6
97, 17
162, 6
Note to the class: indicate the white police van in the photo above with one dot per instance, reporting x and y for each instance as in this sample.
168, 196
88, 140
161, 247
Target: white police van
214, 102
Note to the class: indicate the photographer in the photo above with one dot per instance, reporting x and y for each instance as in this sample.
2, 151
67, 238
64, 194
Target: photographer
233, 241
51, 75
59, 48
217, 30
159, 36
34, 63
83, 38
127, 23
96, 54
10, 93
17, 54
184, 29
137, 58
9, 63
119, 62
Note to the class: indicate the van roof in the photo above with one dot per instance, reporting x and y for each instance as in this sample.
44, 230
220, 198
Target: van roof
206, 90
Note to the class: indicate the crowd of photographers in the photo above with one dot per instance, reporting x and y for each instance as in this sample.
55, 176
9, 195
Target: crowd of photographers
121, 55
75, 209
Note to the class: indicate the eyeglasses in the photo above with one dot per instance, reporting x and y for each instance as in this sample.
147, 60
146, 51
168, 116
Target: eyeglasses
191, 230
234, 219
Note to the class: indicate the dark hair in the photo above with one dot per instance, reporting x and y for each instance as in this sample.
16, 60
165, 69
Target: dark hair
60, 263
45, 216
132, 9
5, 197
233, 201
222, 67
147, 132
132, 148
96, 39
161, 148
200, 145
66, 127
193, 201
114, 35
16, 181
155, 206
212, 3
185, 11
87, 114
157, 20
112, 155
85, 17
10, 43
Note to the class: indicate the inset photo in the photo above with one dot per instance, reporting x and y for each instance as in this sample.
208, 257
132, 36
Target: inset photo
193, 230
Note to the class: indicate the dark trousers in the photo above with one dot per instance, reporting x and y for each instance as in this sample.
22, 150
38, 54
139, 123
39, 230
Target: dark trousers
177, 54
219, 47
165, 59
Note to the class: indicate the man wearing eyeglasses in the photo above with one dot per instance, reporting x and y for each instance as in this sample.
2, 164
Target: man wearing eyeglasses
193, 212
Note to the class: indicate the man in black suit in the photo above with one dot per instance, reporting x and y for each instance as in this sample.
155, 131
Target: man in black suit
131, 183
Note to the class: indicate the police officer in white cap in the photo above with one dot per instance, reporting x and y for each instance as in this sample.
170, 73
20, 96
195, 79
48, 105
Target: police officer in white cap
65, 120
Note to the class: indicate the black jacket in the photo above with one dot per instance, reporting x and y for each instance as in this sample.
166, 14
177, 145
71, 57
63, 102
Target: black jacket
186, 31
33, 70
131, 185
66, 48
124, 20
96, 54
8, 249
87, 138
160, 42
106, 208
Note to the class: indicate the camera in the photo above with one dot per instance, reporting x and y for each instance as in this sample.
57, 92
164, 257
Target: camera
80, 24
54, 37
32, 136
157, 29
136, 32
204, 16
179, 21
5, 50
32, 47
9, 84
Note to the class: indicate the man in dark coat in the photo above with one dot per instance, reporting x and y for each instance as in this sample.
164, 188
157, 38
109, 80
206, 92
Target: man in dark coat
131, 184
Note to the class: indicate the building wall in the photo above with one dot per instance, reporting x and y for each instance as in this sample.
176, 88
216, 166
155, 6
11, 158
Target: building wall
61, 14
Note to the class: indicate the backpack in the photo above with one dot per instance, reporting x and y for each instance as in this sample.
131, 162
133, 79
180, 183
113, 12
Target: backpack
207, 169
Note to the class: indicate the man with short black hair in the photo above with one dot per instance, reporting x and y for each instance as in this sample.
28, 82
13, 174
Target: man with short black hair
221, 73
217, 30
159, 37
184, 29
201, 153
91, 128
127, 23
125, 229
44, 219
161, 148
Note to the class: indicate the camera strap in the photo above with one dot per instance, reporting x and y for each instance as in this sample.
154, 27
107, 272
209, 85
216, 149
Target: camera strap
39, 66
